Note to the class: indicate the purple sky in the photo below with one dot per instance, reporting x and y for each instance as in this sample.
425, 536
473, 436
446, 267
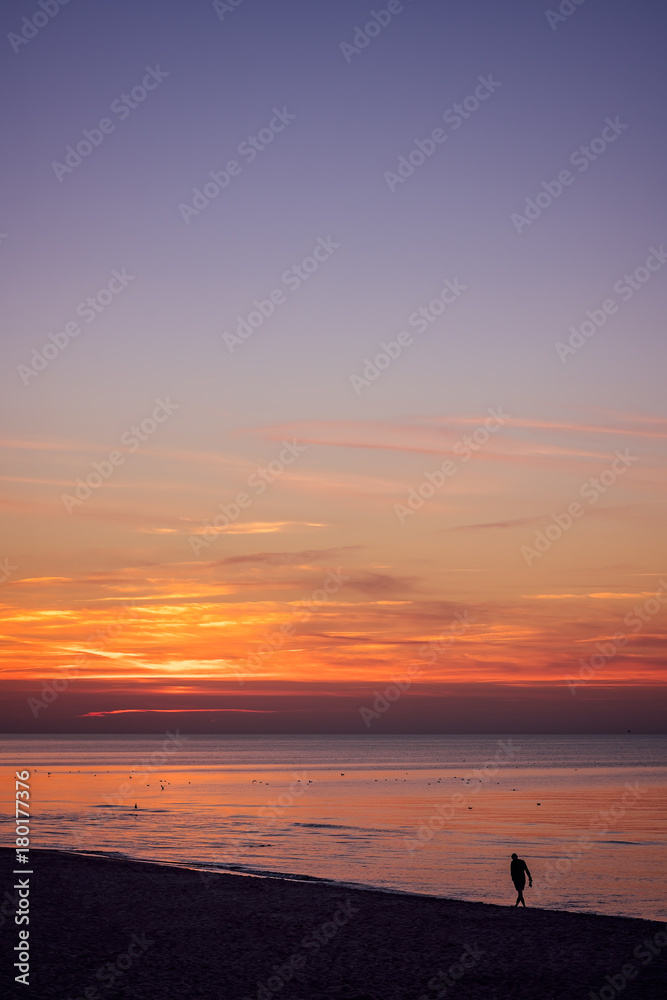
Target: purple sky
321, 217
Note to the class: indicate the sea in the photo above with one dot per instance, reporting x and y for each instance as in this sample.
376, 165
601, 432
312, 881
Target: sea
435, 815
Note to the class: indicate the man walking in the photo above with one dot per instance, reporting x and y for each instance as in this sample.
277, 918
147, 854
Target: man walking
518, 872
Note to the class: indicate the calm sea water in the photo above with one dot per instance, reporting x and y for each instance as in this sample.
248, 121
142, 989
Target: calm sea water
429, 814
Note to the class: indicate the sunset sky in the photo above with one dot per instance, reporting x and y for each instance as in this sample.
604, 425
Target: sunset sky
365, 511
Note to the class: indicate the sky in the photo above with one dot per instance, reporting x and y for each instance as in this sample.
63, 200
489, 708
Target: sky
333, 383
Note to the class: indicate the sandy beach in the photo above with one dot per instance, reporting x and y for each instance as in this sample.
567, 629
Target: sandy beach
103, 928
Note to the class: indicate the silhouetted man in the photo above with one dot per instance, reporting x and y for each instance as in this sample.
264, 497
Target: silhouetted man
518, 872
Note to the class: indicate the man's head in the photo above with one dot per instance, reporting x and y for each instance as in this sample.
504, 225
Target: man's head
515, 856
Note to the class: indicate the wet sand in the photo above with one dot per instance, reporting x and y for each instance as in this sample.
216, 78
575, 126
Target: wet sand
103, 928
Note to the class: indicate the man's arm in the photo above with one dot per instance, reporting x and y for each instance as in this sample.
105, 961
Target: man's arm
530, 877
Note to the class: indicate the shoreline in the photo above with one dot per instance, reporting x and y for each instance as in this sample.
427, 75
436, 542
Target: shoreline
322, 880
117, 927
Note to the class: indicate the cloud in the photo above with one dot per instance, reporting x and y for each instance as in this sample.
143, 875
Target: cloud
381, 583
436, 435
653, 427
45, 445
431, 437
537, 520
516, 522
258, 527
285, 558
178, 711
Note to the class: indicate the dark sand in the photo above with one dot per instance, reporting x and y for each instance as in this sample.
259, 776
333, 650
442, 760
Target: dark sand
220, 936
